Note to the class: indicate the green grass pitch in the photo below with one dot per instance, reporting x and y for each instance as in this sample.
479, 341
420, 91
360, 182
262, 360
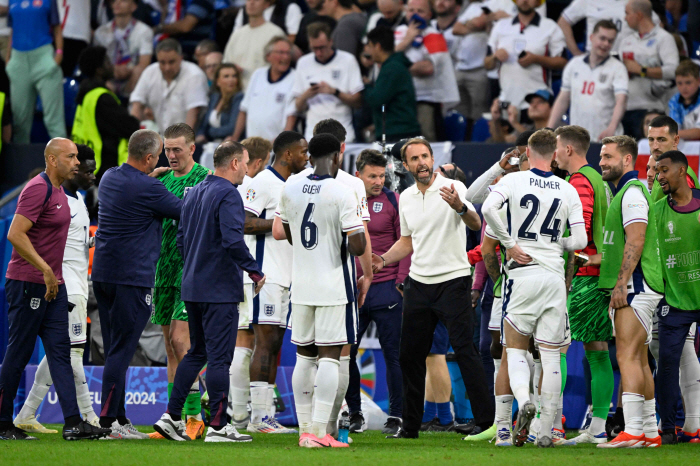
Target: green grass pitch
369, 448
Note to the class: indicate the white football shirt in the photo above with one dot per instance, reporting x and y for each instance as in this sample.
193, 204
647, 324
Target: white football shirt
320, 211
261, 199
539, 205
242, 189
267, 105
352, 182
77, 252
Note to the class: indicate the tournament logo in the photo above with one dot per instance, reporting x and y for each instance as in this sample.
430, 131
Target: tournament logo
377, 207
187, 189
77, 329
34, 303
664, 311
359, 211
148, 299
363, 203
250, 195
670, 227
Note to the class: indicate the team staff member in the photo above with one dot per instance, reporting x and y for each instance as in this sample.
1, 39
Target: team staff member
679, 241
127, 246
37, 294
383, 304
664, 137
210, 239
434, 212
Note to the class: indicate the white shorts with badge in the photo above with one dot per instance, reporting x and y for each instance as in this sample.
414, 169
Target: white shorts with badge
271, 306
245, 309
534, 303
77, 319
324, 325
643, 301
496, 315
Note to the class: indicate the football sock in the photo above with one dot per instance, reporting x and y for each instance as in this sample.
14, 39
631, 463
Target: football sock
193, 402
497, 367
551, 388
633, 409
558, 424
649, 419
519, 373
536, 384
690, 388
240, 382
258, 401
41, 386
444, 413
602, 387
564, 370
271, 411
533, 388
325, 391
504, 411
429, 411
170, 389
82, 391
303, 379
343, 382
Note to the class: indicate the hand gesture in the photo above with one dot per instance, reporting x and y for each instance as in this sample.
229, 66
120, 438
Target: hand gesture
618, 297
496, 110
362, 289
593, 260
505, 161
519, 256
607, 132
51, 285
377, 263
325, 88
513, 115
160, 171
412, 32
259, 285
451, 196
527, 59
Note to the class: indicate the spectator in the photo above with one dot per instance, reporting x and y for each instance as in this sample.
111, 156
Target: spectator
432, 69
391, 14
327, 82
224, 104
246, 45
5, 31
273, 109
500, 129
283, 13
651, 59
538, 112
392, 91
595, 87
527, 48
75, 22
312, 16
34, 67
684, 107
350, 25
129, 45
447, 12
188, 21
676, 16
100, 120
176, 91
648, 117
203, 49
211, 64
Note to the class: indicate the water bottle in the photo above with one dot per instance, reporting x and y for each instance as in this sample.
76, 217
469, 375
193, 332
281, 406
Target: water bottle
344, 427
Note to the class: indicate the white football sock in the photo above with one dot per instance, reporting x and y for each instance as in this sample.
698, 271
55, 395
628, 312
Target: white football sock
303, 379
325, 391
497, 367
597, 426
343, 382
532, 385
41, 386
258, 401
536, 382
240, 382
519, 373
690, 387
271, 411
649, 419
551, 389
82, 391
504, 412
633, 409
558, 424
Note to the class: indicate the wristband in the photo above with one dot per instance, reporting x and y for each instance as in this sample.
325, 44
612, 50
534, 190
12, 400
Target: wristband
643, 72
59, 51
337, 92
383, 261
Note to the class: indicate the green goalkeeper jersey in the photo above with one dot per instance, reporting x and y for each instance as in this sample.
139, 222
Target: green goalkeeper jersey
169, 268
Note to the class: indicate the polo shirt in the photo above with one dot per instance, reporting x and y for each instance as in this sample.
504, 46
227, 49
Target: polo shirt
32, 23
592, 92
541, 37
170, 102
246, 48
437, 231
657, 48
268, 104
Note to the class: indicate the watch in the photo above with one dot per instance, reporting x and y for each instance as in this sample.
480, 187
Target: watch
337, 92
464, 210
643, 72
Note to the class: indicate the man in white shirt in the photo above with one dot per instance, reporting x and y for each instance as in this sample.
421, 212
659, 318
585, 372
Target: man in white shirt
246, 46
129, 45
527, 47
174, 89
75, 20
651, 57
289, 19
268, 106
328, 82
596, 87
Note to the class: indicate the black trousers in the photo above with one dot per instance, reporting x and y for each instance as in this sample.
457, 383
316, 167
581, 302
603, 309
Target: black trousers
450, 303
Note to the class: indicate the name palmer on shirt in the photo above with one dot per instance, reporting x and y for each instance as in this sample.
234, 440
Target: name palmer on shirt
544, 184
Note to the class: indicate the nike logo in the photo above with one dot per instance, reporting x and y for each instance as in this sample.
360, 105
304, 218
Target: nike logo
58, 206
73, 216
392, 307
320, 443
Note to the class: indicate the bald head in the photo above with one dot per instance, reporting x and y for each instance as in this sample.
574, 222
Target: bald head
641, 6
57, 146
61, 156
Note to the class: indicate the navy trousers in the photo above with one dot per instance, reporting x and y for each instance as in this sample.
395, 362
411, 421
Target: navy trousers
29, 316
384, 306
674, 325
124, 312
213, 328
485, 334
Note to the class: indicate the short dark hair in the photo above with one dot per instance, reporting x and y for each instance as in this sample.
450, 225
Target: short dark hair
85, 153
169, 45
315, 29
523, 137
345, 3
455, 174
382, 36
208, 46
415, 141
179, 130
226, 151
675, 156
605, 24
284, 140
577, 136
323, 145
663, 120
258, 148
91, 59
144, 142
625, 145
688, 68
543, 142
331, 126
370, 157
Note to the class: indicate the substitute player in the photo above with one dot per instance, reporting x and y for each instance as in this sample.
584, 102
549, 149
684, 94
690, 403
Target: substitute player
587, 304
679, 246
534, 300
169, 310
630, 269
269, 314
322, 220
663, 137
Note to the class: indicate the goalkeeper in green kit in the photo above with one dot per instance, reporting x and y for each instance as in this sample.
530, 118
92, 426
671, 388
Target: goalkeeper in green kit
169, 310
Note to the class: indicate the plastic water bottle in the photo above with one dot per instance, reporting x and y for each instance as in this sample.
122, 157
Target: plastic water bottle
344, 427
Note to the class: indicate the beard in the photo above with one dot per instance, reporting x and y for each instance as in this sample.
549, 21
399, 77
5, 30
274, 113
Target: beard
423, 179
525, 10
615, 173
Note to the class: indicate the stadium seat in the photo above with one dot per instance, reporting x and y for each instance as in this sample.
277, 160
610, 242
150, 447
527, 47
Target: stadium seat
455, 126
481, 132
70, 92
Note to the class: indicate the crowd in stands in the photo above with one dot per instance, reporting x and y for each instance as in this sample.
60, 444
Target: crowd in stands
233, 69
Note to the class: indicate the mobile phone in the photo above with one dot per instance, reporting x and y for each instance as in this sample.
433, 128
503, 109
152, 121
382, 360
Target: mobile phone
313, 84
486, 10
581, 258
522, 54
514, 161
504, 109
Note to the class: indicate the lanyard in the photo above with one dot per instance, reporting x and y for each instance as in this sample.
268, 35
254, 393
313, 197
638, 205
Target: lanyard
121, 50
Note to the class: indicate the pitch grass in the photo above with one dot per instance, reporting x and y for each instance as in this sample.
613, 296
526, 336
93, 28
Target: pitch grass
369, 448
